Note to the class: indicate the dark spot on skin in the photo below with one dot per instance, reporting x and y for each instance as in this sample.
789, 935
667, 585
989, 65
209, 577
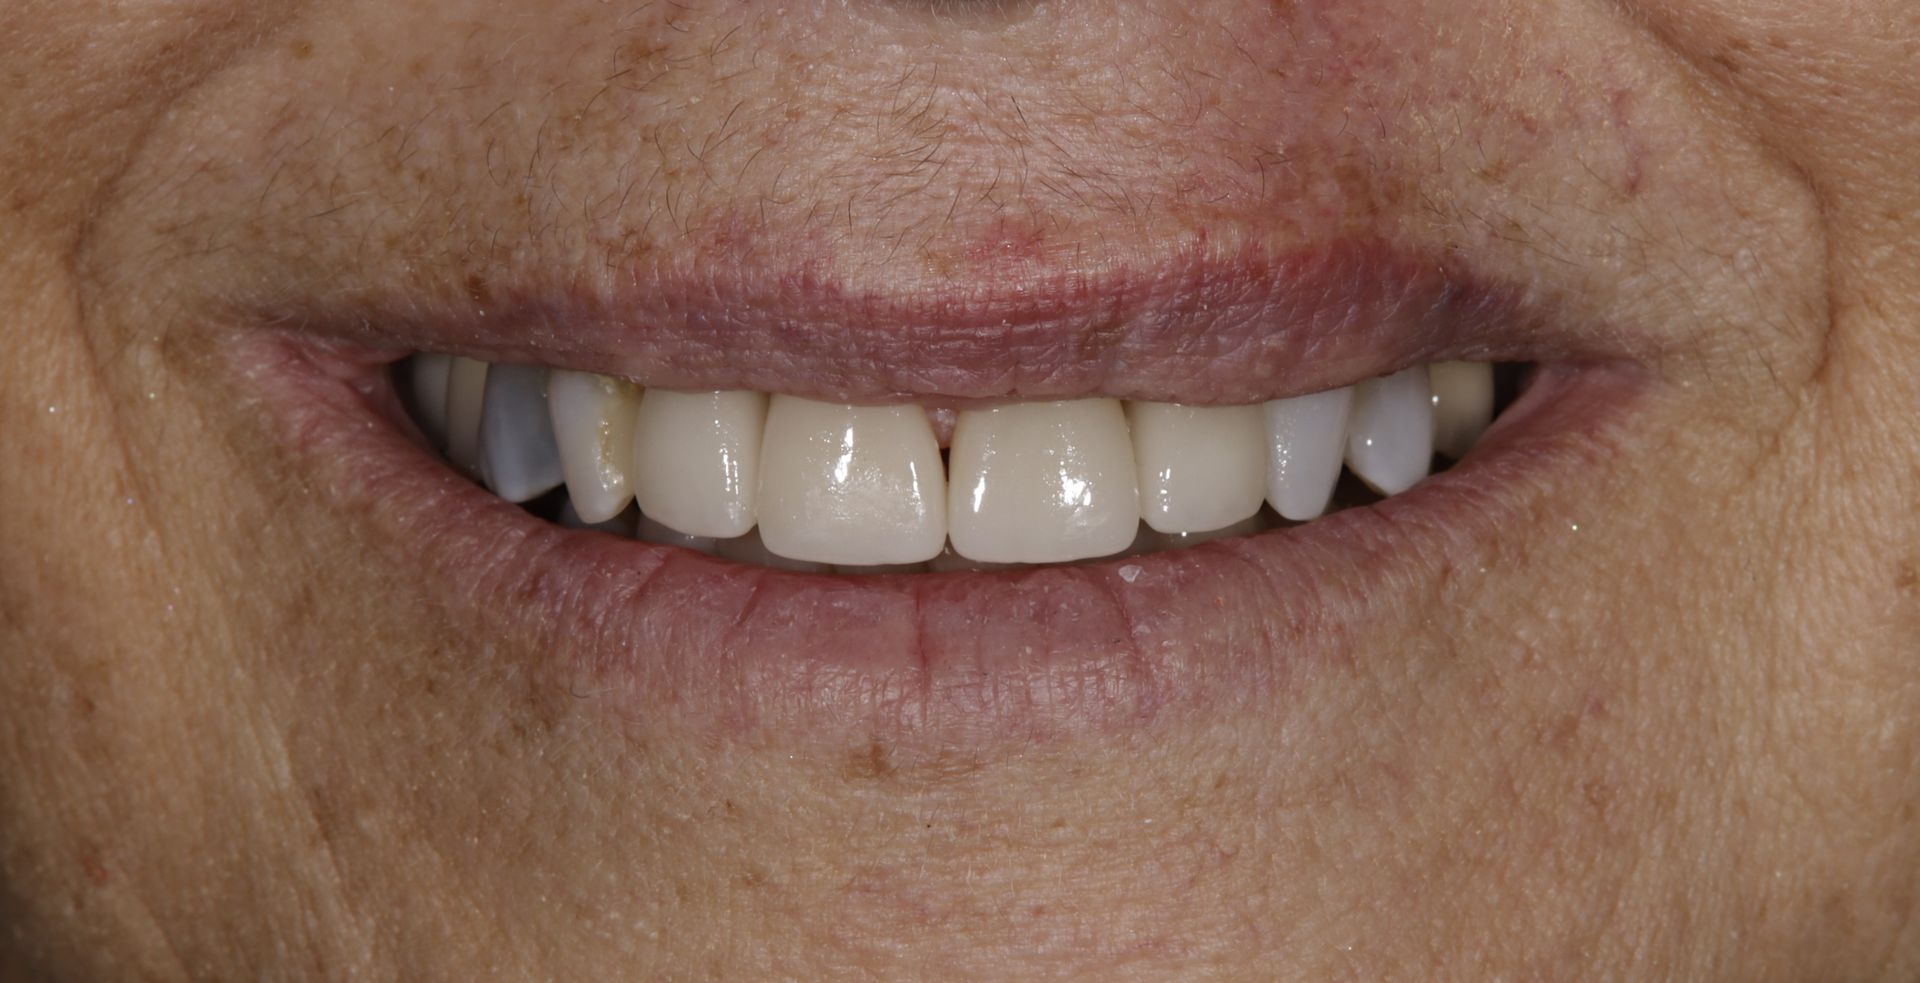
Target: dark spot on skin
477, 289
872, 763
301, 49
1907, 579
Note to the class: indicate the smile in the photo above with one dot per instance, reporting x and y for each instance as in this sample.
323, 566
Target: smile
986, 515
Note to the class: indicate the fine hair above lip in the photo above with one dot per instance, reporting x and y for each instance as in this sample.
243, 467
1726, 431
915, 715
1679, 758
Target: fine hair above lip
1193, 328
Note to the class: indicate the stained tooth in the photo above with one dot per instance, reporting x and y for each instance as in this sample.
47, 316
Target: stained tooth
1042, 482
851, 485
466, 390
750, 549
1462, 405
1390, 435
429, 373
651, 531
696, 460
1199, 467
1306, 440
593, 418
519, 457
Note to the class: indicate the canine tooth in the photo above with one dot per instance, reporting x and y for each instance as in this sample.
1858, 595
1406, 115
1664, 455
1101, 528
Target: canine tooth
1306, 440
519, 457
750, 549
696, 459
1042, 482
651, 531
1199, 467
429, 373
466, 391
851, 485
1390, 435
593, 419
1462, 405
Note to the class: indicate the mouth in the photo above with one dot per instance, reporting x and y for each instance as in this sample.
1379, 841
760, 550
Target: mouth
1068, 504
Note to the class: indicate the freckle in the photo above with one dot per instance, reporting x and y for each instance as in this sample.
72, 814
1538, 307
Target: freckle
301, 48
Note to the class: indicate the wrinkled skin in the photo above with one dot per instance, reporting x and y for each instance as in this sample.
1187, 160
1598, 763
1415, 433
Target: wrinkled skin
1673, 731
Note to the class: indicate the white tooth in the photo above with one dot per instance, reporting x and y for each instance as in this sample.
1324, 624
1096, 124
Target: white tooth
593, 419
1390, 436
518, 455
1306, 440
1151, 541
466, 391
853, 485
650, 531
430, 372
749, 549
696, 460
1042, 482
1462, 405
1200, 467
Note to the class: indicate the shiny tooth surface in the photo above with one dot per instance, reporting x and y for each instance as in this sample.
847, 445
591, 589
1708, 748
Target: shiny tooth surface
696, 460
519, 458
1198, 468
751, 549
1043, 482
1462, 405
851, 485
429, 373
466, 391
1306, 441
651, 531
593, 418
1390, 434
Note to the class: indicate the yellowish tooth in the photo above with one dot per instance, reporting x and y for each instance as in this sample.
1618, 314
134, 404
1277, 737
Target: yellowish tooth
466, 395
593, 418
1042, 482
851, 485
1462, 405
696, 460
1200, 468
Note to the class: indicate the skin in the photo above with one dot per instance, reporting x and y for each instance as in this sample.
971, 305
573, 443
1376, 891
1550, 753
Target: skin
1670, 729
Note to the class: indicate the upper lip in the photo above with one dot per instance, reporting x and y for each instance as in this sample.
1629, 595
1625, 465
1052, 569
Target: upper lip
1192, 328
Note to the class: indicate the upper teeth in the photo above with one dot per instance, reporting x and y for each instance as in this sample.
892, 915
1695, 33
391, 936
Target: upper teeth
1040, 482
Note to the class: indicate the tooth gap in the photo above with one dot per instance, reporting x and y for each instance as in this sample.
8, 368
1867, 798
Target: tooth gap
1510, 382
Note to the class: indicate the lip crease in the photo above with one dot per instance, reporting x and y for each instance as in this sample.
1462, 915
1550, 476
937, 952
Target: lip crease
974, 657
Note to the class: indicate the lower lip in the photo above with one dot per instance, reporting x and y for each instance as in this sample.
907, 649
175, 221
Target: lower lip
976, 657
